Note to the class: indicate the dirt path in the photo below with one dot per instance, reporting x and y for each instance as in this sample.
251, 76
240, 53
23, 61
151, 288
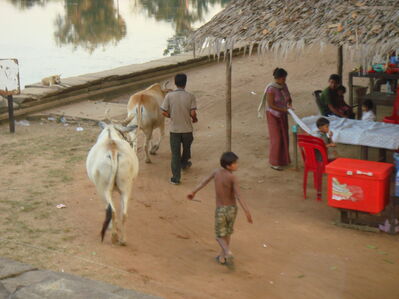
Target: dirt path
291, 251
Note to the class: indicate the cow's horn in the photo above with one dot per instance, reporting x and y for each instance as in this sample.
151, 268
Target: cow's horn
165, 85
122, 122
107, 116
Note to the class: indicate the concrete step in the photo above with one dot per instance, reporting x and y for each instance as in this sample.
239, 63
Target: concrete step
21, 281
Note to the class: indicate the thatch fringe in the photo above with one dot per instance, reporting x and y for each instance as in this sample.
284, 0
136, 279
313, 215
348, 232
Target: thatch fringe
367, 29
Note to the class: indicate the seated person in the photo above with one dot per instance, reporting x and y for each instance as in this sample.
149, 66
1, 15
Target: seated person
328, 94
323, 126
343, 108
330, 101
367, 108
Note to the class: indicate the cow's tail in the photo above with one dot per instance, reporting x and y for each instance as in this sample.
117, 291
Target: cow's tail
108, 217
140, 113
113, 149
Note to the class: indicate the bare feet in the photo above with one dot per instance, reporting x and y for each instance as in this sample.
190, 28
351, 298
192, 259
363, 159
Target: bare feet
220, 260
278, 168
229, 262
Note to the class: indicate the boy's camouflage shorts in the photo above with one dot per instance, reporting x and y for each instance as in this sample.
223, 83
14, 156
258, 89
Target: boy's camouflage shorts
224, 220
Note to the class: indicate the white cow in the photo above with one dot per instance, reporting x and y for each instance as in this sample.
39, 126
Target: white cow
143, 110
112, 165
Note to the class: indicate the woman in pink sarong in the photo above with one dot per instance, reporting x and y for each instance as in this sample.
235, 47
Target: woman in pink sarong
278, 100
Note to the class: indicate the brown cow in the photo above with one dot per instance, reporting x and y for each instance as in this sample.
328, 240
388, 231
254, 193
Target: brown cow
143, 110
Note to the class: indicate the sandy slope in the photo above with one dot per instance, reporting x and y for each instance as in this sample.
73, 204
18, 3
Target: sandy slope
170, 240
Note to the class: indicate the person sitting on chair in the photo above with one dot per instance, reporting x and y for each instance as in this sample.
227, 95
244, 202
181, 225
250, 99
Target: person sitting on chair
367, 108
324, 133
329, 98
343, 108
327, 95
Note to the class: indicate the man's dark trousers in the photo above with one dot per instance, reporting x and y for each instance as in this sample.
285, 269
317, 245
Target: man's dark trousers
179, 159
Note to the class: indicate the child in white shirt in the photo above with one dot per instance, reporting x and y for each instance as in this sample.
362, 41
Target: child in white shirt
368, 113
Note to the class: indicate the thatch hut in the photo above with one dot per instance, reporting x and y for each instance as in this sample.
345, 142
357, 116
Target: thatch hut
365, 29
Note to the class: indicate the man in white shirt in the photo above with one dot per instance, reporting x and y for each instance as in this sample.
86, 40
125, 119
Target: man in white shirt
180, 106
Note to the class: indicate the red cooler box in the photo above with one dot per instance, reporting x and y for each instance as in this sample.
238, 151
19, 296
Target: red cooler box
358, 184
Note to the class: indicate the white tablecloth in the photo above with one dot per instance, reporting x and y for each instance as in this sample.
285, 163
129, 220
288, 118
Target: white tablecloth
358, 132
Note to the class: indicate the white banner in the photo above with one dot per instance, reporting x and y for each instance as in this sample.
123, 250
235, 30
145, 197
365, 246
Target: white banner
9, 77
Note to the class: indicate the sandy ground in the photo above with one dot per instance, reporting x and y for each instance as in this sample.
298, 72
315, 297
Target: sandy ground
293, 249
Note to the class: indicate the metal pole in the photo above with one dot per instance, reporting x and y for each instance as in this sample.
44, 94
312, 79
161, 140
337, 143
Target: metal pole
295, 144
11, 113
228, 101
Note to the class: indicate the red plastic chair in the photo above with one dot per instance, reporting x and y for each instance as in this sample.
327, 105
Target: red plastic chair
308, 145
394, 118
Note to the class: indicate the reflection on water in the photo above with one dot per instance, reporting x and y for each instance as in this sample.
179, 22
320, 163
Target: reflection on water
182, 13
21, 4
81, 36
89, 24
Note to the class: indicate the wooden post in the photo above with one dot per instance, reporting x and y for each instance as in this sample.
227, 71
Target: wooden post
382, 155
350, 86
11, 113
344, 216
228, 100
364, 152
340, 62
371, 85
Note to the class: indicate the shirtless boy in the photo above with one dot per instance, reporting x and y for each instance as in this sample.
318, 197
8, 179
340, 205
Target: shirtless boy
227, 193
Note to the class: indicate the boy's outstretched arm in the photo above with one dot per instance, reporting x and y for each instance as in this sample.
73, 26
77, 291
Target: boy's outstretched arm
243, 204
200, 186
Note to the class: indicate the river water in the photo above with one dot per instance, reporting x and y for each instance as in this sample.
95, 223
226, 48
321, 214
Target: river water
74, 37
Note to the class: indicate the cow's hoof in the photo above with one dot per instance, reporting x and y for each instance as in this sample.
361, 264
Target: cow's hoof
153, 152
122, 243
114, 238
147, 161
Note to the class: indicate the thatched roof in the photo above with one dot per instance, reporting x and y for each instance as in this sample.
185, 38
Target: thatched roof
367, 27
